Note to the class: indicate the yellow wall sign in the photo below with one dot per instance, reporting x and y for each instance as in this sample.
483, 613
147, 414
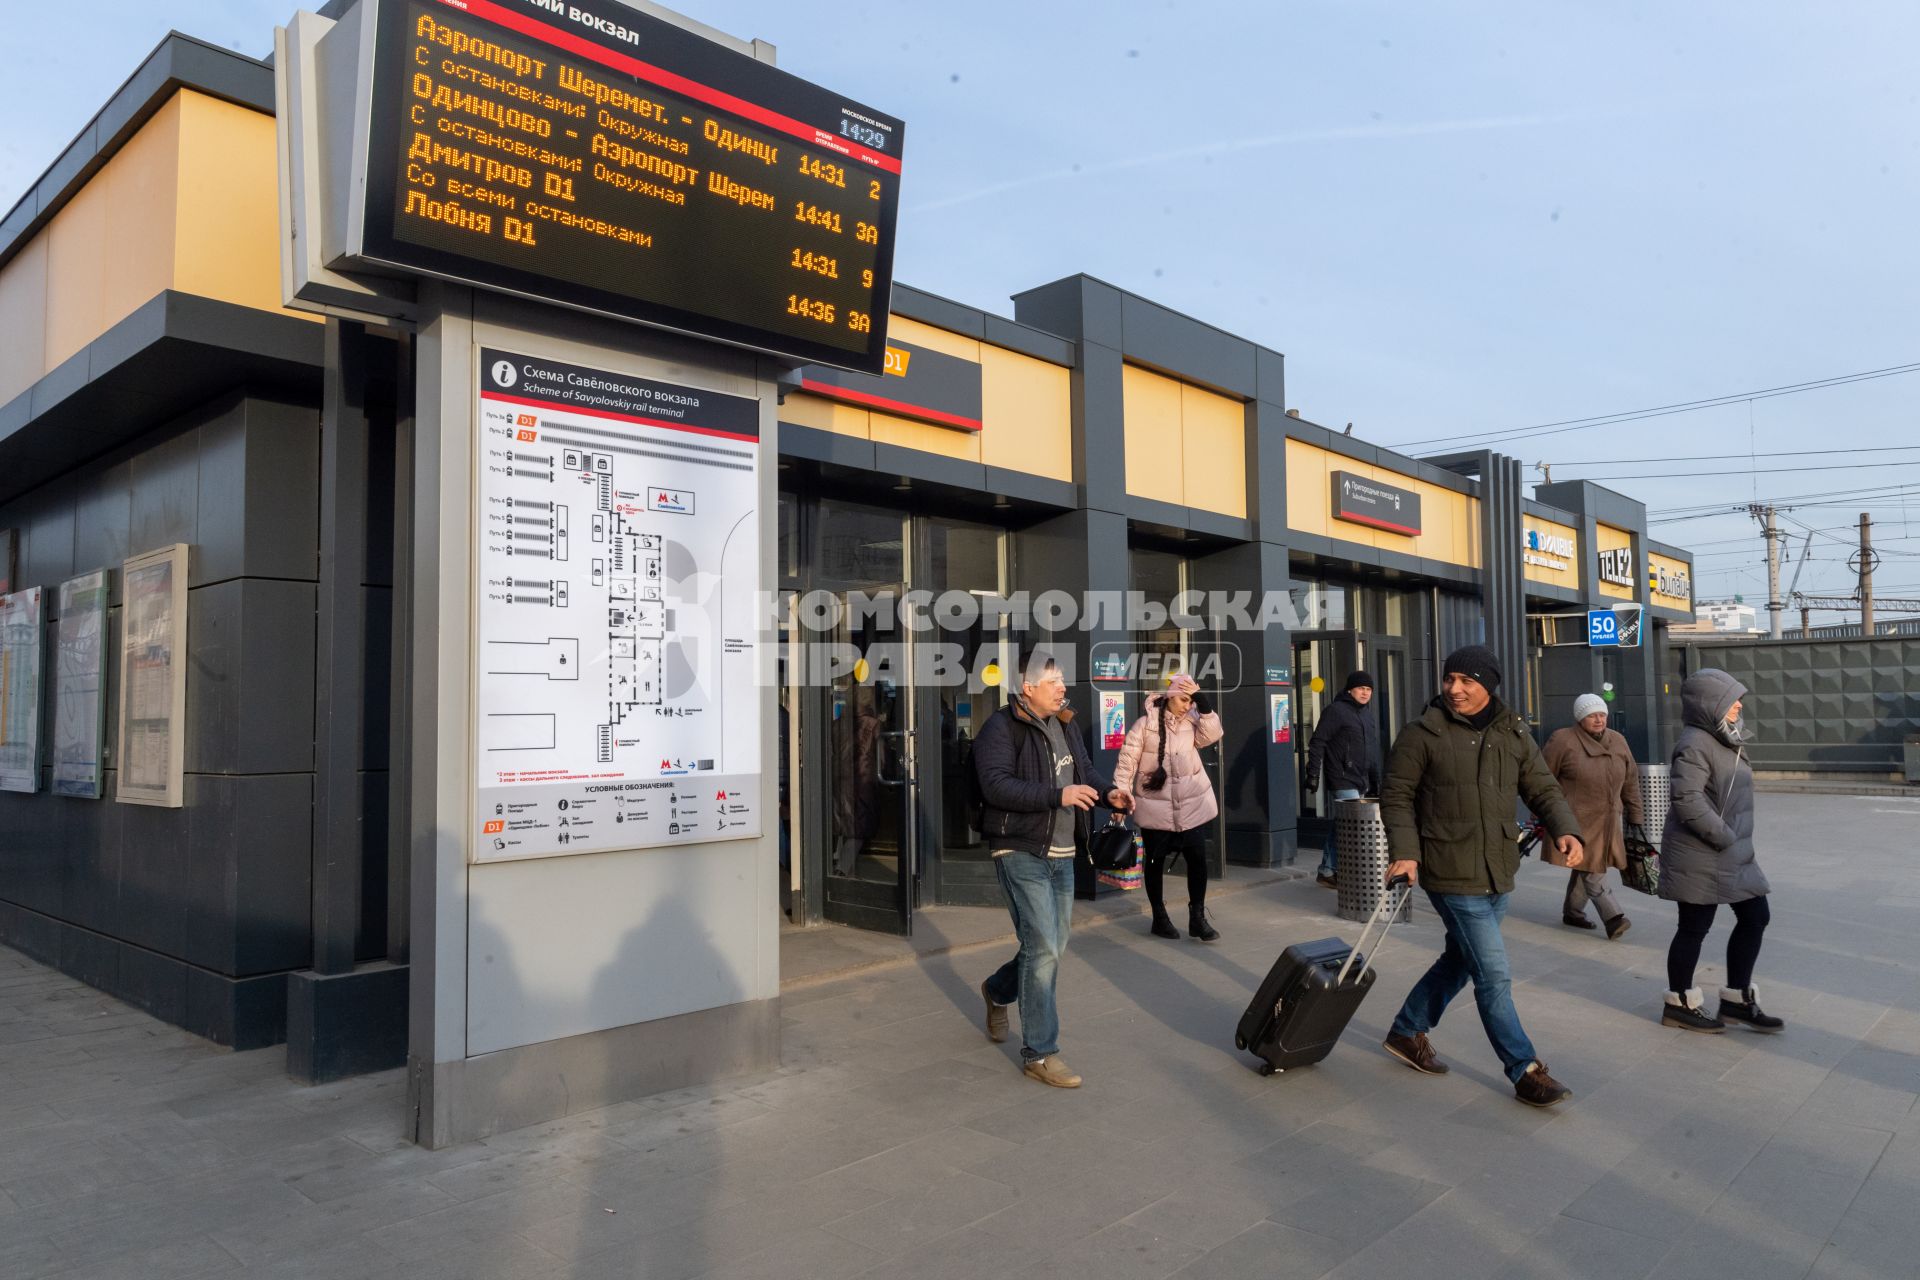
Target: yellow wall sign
897, 361
1550, 552
1618, 573
1670, 582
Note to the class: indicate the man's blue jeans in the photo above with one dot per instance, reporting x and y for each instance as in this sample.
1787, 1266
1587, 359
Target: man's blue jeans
1330, 853
1039, 894
1475, 951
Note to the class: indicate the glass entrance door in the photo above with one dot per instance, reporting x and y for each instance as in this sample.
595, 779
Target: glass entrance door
1385, 659
870, 776
1321, 664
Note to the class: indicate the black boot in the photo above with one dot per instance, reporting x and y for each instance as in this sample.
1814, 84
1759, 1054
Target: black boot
1197, 926
1743, 1007
1163, 924
1686, 1010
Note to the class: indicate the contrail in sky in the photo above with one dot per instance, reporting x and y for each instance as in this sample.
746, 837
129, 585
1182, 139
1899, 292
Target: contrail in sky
1232, 146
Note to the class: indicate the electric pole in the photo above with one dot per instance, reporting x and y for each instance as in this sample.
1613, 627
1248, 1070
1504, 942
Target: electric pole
1866, 575
1775, 605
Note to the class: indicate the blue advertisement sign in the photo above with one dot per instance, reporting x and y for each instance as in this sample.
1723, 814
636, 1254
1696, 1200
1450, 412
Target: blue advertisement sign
1603, 629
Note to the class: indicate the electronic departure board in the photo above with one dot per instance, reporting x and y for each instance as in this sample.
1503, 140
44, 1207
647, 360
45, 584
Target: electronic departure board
584, 153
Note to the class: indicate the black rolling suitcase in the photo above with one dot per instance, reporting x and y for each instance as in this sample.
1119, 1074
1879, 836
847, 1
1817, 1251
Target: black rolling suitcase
1311, 993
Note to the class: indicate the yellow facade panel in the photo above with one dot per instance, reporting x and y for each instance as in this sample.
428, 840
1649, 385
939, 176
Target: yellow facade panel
924, 436
1151, 423
826, 415
1450, 521
23, 316
925, 335
1027, 406
141, 227
228, 241
1214, 452
76, 272
1551, 555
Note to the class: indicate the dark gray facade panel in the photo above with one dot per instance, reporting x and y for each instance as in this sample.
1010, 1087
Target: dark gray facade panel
166, 495
1219, 526
1186, 348
1021, 487
261, 841
45, 555
1099, 428
1077, 307
816, 445
59, 383
259, 504
918, 464
1267, 470
92, 832
154, 864
1270, 376
1171, 515
250, 646
941, 313
1028, 341
103, 520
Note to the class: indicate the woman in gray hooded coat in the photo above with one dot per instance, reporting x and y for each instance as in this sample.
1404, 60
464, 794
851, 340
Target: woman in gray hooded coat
1707, 858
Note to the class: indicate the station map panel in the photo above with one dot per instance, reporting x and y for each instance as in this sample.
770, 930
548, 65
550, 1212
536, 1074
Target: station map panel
617, 562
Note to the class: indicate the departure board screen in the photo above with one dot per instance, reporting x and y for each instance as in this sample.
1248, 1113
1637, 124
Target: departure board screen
583, 153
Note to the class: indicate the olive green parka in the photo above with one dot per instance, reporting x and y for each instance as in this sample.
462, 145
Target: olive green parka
1448, 802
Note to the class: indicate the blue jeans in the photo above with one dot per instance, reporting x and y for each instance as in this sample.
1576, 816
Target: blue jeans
1330, 854
1476, 951
1039, 894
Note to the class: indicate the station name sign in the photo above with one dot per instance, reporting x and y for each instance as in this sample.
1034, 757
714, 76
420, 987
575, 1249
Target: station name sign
589, 154
1360, 500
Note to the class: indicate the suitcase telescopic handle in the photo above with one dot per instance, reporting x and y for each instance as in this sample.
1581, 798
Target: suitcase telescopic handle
1397, 900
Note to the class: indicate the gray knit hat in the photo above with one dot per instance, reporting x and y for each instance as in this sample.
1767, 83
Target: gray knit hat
1587, 704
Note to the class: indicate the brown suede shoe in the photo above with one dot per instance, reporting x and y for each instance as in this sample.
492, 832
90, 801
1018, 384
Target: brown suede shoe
1418, 1053
1054, 1072
1538, 1089
996, 1017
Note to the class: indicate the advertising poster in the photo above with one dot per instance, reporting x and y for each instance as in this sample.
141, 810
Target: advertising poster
1113, 719
20, 615
615, 573
153, 678
1280, 716
80, 685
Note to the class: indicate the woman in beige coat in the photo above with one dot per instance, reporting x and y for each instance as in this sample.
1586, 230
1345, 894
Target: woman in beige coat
1173, 799
1596, 771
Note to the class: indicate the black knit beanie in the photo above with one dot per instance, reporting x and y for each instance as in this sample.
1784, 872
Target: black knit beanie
1358, 680
1476, 661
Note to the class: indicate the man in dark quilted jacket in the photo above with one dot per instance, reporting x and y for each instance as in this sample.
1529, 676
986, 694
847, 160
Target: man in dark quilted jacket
1448, 804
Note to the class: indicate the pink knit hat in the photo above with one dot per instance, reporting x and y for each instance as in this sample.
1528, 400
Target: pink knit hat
1182, 683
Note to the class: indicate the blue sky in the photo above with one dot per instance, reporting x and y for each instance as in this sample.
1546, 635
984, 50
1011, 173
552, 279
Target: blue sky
1453, 218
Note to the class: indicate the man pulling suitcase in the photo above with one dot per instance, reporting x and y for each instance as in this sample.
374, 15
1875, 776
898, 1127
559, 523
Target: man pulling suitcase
1448, 803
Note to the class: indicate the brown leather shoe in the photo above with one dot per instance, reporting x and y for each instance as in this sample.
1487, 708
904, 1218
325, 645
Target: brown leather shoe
1617, 926
1054, 1072
1538, 1089
1417, 1052
996, 1017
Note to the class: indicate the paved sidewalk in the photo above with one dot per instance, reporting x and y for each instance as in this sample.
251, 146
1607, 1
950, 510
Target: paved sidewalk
897, 1142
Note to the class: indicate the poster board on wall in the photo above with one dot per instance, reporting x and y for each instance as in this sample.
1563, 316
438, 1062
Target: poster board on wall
21, 613
80, 685
153, 678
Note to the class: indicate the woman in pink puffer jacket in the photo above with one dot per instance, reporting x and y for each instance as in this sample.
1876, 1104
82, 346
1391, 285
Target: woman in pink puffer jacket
1173, 798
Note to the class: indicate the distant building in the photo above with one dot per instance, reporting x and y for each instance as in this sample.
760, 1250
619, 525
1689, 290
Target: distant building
1725, 619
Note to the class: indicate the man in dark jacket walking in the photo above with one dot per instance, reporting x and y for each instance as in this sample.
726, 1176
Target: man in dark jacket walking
1039, 786
1346, 744
1448, 803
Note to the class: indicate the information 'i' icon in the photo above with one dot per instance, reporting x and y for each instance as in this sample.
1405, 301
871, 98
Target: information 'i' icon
503, 373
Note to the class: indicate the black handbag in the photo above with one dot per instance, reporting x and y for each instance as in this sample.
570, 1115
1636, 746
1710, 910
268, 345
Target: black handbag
1642, 872
1111, 847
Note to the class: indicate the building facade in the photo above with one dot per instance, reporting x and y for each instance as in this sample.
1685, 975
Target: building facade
154, 392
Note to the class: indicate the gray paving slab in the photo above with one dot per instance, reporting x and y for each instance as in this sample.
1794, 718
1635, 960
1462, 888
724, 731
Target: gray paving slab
894, 1141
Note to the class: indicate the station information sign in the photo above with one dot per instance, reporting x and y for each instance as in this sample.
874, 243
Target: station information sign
585, 153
